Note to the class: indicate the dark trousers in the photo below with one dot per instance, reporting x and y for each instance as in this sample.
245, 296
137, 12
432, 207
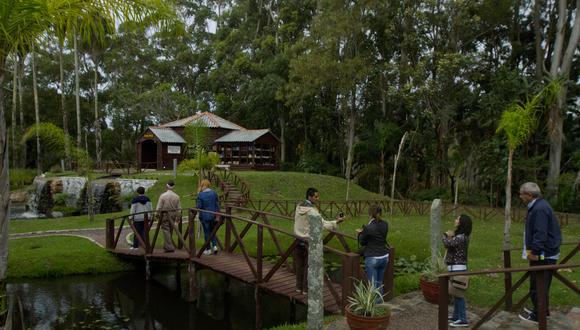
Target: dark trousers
301, 266
547, 282
208, 226
140, 226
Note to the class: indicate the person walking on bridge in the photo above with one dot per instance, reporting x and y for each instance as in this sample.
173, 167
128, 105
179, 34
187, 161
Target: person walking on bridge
168, 210
140, 205
208, 200
302, 229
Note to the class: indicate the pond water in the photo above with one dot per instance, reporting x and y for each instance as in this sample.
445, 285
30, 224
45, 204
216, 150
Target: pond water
128, 301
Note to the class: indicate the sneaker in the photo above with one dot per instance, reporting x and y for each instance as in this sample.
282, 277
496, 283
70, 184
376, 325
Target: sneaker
529, 311
207, 252
459, 324
450, 318
529, 317
215, 250
132, 248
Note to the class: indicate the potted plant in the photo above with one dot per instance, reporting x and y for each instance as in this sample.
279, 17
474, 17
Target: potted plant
428, 282
366, 309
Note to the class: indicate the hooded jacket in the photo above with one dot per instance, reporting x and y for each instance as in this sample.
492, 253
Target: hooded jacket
301, 225
140, 204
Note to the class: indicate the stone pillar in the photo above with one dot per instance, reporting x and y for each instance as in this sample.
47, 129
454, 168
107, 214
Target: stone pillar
315, 274
435, 231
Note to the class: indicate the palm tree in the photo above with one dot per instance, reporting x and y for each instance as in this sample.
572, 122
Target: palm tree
21, 24
518, 122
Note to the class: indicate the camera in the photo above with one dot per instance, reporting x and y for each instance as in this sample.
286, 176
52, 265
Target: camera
341, 215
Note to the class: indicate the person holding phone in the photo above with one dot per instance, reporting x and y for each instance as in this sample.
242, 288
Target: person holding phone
373, 239
302, 229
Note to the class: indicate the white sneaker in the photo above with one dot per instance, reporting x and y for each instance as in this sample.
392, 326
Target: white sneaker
207, 252
215, 250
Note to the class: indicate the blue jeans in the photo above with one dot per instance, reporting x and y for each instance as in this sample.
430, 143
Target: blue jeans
459, 308
140, 226
375, 269
207, 229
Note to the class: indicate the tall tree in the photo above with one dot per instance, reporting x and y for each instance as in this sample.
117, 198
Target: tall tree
564, 49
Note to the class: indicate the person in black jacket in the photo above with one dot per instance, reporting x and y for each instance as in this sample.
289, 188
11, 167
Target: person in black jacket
373, 237
542, 239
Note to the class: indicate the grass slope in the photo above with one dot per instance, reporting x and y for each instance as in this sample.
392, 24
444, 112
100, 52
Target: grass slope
293, 185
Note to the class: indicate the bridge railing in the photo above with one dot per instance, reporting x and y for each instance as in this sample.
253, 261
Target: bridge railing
353, 208
233, 226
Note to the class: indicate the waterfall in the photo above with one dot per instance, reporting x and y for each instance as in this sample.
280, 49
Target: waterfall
129, 186
72, 186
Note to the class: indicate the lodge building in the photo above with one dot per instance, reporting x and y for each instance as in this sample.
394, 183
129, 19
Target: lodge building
238, 147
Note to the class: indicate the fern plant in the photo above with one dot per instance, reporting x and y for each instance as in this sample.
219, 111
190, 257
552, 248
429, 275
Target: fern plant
367, 300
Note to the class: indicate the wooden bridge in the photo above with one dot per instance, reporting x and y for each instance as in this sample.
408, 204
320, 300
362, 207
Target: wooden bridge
243, 253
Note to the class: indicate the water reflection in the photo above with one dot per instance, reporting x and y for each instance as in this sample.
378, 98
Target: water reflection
127, 301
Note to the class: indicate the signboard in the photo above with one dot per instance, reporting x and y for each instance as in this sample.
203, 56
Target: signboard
173, 149
148, 136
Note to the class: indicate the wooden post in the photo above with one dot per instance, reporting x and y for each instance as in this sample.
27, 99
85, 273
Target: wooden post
228, 229
259, 253
146, 228
258, 307
443, 303
147, 269
388, 288
350, 266
180, 231
541, 298
110, 234
507, 281
191, 233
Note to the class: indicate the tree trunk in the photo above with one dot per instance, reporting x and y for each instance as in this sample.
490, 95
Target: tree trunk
77, 90
350, 145
560, 67
14, 106
4, 182
282, 139
508, 203
395, 171
97, 121
36, 112
538, 40
382, 175
21, 108
63, 106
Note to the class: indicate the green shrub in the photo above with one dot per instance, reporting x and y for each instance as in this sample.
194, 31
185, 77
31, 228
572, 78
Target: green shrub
21, 177
208, 161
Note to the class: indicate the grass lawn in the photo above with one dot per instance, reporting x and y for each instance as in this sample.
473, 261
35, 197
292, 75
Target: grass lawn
43, 257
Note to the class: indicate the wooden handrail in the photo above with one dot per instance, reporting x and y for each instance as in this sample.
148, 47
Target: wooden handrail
539, 270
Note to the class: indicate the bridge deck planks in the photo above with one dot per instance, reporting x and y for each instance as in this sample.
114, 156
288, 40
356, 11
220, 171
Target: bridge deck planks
235, 265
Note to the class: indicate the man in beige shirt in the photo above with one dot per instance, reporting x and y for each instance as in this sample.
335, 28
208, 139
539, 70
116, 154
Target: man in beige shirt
168, 202
302, 229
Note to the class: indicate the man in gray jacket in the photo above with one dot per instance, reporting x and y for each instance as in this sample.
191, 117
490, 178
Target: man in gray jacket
169, 203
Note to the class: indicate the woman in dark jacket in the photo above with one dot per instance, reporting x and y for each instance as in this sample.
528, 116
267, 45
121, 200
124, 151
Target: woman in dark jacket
456, 242
373, 237
207, 199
